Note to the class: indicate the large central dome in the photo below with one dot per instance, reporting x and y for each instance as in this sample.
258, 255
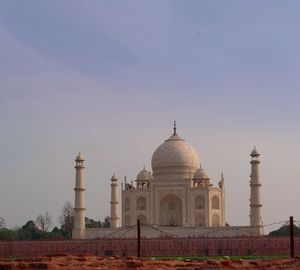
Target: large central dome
176, 158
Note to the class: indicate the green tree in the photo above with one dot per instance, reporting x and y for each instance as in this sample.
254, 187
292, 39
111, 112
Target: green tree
28, 231
106, 222
66, 219
91, 223
7, 234
285, 230
43, 221
2, 223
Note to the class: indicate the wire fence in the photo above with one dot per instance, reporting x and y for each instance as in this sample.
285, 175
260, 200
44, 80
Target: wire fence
182, 232
167, 242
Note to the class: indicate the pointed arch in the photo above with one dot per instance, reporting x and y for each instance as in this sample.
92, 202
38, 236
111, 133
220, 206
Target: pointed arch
215, 202
127, 221
199, 202
215, 220
200, 220
170, 211
127, 204
141, 203
142, 219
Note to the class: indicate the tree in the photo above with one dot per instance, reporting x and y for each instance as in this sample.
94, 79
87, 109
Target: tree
285, 230
2, 223
43, 221
28, 231
91, 223
106, 222
66, 219
7, 234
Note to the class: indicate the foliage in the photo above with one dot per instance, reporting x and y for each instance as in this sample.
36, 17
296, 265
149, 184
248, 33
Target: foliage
38, 229
29, 231
106, 223
66, 219
91, 223
285, 230
6, 234
2, 223
43, 221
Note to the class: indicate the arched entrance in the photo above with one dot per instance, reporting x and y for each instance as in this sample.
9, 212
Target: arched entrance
170, 211
142, 219
200, 220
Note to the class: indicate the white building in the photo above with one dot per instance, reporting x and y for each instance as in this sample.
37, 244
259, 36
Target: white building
177, 197
179, 193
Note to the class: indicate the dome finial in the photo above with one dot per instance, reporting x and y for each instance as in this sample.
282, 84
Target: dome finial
79, 157
254, 152
174, 127
113, 178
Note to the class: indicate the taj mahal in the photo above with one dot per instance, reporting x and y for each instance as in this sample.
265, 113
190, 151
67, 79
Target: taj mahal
177, 198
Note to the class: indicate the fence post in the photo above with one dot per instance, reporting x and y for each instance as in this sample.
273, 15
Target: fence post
292, 247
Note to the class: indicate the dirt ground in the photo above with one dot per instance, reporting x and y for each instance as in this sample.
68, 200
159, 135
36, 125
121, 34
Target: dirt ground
111, 263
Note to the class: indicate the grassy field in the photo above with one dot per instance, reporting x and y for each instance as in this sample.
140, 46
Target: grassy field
267, 257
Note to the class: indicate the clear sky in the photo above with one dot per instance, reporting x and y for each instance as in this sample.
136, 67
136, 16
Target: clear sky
109, 77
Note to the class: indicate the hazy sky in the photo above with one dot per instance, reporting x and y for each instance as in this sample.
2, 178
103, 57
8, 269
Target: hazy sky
109, 77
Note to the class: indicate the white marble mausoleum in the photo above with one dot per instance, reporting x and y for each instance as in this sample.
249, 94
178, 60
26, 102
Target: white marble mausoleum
177, 198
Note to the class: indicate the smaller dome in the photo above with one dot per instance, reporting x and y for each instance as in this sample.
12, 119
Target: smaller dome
201, 174
143, 175
79, 157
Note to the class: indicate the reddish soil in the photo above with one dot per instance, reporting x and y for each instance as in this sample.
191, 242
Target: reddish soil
130, 263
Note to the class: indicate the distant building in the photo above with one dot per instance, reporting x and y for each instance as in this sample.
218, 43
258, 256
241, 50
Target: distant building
177, 199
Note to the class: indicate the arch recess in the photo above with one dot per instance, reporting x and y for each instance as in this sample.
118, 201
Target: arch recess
215, 202
141, 203
200, 220
127, 204
127, 220
170, 213
199, 202
142, 219
215, 220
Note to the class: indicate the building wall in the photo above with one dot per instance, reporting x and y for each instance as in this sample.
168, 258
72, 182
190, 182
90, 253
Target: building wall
207, 193
151, 231
152, 247
133, 212
189, 214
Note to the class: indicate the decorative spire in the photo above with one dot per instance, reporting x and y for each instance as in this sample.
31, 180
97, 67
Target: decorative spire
79, 157
221, 182
174, 127
254, 152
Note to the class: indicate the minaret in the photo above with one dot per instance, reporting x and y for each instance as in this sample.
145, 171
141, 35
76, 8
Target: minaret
223, 209
79, 209
255, 202
114, 218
